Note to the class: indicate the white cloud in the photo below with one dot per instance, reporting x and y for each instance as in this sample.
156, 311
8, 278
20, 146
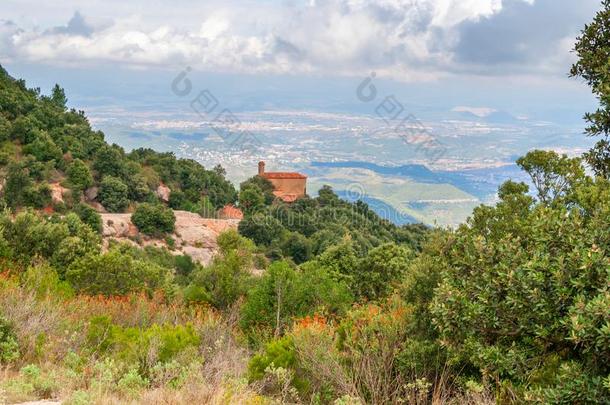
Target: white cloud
403, 39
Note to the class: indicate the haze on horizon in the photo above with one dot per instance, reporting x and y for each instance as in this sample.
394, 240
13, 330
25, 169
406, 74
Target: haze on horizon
479, 55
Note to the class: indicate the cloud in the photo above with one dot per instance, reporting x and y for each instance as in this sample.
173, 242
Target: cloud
8, 30
523, 35
76, 26
402, 39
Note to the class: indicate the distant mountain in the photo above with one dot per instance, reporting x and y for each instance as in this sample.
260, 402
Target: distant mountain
496, 117
419, 172
481, 183
381, 208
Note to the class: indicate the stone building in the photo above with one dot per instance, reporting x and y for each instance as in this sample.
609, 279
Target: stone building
289, 186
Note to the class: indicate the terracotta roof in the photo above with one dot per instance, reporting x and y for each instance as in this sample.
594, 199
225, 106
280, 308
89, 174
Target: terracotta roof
283, 175
231, 212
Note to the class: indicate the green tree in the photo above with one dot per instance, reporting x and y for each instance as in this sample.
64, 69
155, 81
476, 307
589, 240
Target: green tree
109, 161
284, 293
79, 175
298, 247
327, 196
89, 216
43, 148
17, 180
251, 199
228, 277
381, 270
5, 129
154, 219
552, 175
263, 184
58, 97
523, 293
113, 194
28, 235
261, 228
593, 51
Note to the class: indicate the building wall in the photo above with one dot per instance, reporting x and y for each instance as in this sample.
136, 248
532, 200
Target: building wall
290, 186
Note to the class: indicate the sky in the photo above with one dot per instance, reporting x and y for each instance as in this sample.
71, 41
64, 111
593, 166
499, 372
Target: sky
481, 55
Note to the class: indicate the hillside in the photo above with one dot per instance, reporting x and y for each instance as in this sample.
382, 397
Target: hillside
44, 143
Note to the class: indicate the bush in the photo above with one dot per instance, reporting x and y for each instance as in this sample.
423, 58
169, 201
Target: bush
381, 270
9, 346
113, 194
89, 216
262, 229
522, 282
154, 219
44, 281
143, 346
79, 175
358, 356
278, 353
284, 293
115, 273
228, 277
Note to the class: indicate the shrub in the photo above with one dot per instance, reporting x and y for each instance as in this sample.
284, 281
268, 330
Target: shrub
221, 283
89, 216
113, 194
131, 383
284, 293
228, 277
44, 281
380, 270
154, 219
521, 283
358, 357
115, 273
278, 354
143, 346
262, 229
29, 235
9, 346
79, 175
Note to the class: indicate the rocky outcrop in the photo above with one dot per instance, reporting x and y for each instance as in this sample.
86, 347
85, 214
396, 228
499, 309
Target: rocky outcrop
118, 226
57, 192
163, 192
91, 193
194, 236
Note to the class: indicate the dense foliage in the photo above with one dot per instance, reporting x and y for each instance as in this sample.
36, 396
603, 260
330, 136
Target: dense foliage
309, 226
593, 66
524, 292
